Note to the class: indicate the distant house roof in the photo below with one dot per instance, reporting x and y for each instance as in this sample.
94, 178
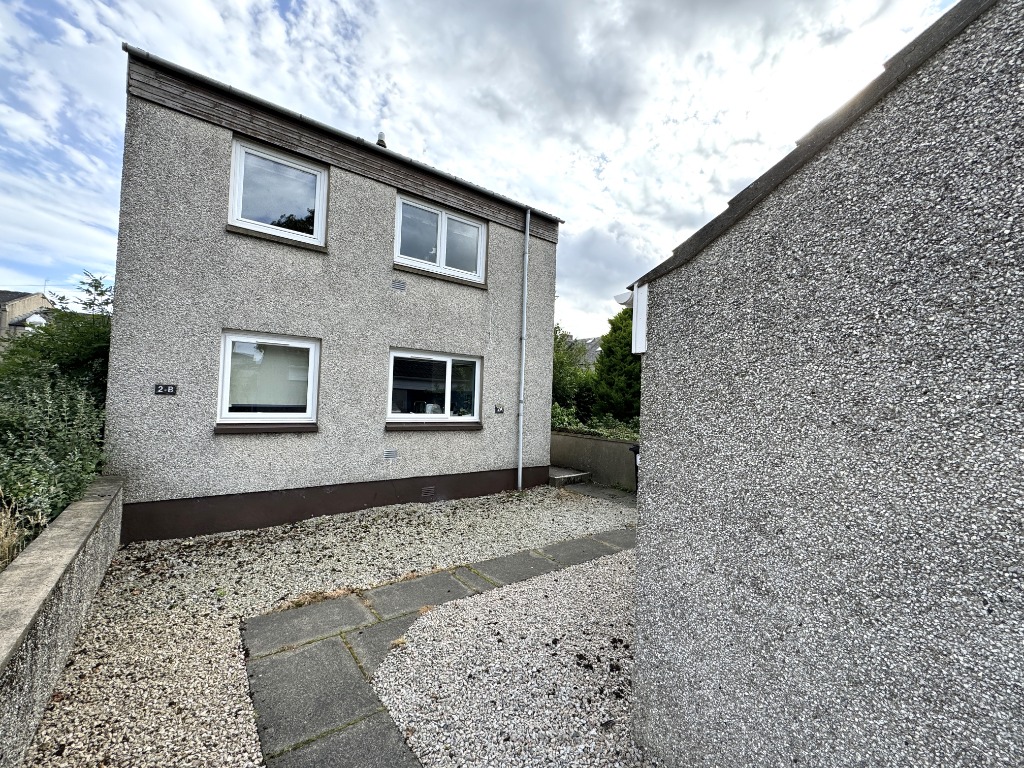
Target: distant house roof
897, 69
593, 349
6, 296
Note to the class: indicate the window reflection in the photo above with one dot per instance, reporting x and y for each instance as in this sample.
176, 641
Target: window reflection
419, 233
278, 194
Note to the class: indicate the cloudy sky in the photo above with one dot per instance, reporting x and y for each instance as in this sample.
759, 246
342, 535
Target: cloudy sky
633, 120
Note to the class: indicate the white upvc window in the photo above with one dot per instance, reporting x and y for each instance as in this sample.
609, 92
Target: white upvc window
424, 386
431, 238
268, 379
277, 194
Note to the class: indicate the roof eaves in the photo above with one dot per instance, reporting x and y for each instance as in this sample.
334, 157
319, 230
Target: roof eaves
897, 69
369, 146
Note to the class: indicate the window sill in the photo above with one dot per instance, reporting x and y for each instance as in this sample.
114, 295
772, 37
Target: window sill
237, 230
440, 276
433, 426
256, 428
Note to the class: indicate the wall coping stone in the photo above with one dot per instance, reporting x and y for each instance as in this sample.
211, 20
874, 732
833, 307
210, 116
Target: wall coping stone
35, 584
594, 437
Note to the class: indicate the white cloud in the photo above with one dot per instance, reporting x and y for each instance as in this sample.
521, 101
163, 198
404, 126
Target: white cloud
634, 121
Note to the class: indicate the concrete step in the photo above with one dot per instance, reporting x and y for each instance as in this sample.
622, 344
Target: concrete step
559, 476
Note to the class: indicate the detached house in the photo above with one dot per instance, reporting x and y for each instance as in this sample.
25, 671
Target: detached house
307, 323
830, 539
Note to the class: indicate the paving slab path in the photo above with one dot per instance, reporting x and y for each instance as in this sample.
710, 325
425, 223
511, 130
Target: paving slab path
310, 668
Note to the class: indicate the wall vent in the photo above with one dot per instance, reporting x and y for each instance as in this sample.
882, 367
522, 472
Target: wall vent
391, 453
428, 492
398, 285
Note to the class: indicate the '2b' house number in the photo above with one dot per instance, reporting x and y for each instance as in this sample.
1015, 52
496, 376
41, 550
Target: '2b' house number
165, 389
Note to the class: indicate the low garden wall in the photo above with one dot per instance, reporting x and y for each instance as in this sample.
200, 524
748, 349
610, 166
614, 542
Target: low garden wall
44, 597
610, 462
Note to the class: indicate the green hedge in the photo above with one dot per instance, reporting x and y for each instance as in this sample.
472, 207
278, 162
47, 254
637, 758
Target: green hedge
50, 449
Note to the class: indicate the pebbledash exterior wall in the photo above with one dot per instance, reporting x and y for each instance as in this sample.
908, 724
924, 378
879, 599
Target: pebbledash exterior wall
183, 279
832, 487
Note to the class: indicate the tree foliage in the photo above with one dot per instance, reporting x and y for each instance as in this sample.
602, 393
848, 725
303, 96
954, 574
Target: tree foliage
53, 382
618, 370
567, 368
72, 345
604, 401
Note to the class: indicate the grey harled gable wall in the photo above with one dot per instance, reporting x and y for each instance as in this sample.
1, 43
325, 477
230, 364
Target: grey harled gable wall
182, 279
831, 497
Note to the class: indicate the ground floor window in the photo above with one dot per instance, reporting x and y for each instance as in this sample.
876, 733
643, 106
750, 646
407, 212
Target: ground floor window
268, 379
433, 387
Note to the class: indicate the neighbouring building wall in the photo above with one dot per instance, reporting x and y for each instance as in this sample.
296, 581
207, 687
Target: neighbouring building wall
182, 280
19, 308
832, 484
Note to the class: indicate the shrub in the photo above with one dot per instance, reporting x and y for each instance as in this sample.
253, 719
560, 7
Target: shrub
75, 344
50, 432
565, 420
609, 426
567, 366
586, 396
618, 370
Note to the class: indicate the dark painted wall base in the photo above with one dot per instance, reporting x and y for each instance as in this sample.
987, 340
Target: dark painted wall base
175, 518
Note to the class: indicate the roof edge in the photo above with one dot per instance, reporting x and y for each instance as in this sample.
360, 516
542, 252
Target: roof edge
897, 69
369, 146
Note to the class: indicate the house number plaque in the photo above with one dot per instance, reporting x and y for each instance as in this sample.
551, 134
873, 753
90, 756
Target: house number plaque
165, 389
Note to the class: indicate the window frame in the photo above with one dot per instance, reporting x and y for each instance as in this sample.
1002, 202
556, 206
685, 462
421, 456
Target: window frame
480, 276
308, 417
436, 418
238, 151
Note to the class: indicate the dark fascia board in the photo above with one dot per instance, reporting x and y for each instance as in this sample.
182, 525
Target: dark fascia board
363, 144
897, 69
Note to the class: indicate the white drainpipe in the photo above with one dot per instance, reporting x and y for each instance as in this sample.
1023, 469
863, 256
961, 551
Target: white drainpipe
522, 358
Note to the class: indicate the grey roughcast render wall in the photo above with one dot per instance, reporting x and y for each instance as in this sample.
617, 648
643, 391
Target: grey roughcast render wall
831, 552
182, 280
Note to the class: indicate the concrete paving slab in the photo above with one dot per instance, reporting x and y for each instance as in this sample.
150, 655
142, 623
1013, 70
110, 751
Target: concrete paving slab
578, 551
371, 644
518, 567
274, 631
406, 596
472, 580
371, 743
302, 693
623, 538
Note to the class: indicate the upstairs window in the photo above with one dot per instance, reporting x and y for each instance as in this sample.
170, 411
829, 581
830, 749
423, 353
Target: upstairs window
268, 379
277, 195
433, 387
433, 239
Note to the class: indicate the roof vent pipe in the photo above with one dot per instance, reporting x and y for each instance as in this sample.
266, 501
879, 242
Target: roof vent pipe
380, 140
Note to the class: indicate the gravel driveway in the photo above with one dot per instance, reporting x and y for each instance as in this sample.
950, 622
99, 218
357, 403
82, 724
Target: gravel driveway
157, 676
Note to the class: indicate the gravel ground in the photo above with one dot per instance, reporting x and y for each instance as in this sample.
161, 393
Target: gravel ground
537, 673
157, 677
